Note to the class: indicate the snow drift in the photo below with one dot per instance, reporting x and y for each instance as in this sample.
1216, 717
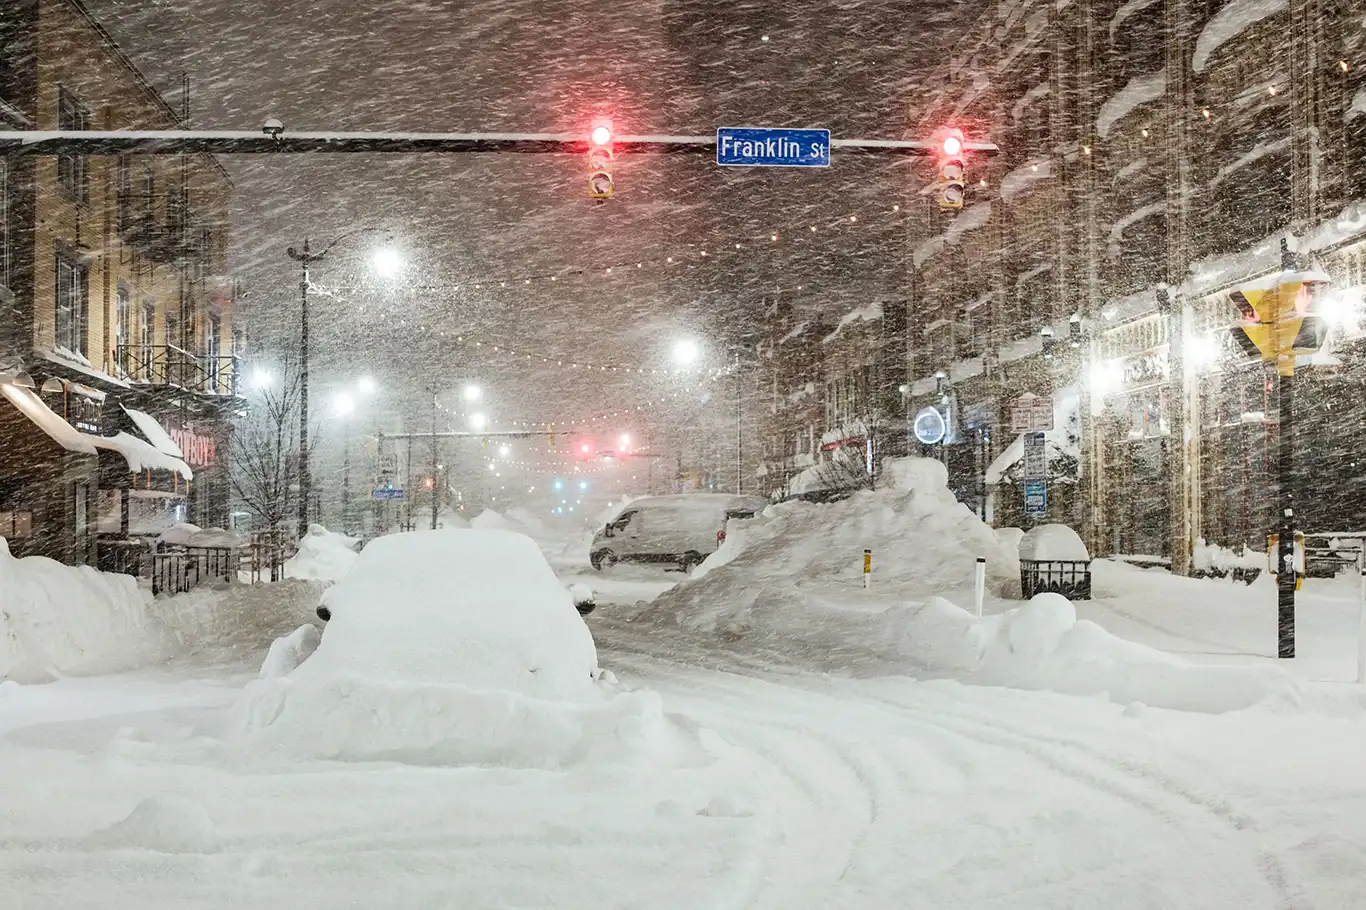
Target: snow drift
451, 647
323, 556
57, 620
1042, 645
924, 542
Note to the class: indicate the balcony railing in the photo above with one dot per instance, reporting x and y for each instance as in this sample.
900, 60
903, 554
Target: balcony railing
168, 365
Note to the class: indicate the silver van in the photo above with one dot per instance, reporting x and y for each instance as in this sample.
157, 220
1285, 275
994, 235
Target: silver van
683, 529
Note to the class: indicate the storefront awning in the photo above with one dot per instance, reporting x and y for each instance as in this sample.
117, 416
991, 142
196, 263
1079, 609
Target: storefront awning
151, 430
141, 455
57, 429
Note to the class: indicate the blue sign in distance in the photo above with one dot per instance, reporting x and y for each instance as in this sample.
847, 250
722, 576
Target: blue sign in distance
1036, 498
383, 493
739, 146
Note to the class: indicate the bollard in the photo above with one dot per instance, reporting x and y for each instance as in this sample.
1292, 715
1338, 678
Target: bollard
1361, 614
979, 584
867, 569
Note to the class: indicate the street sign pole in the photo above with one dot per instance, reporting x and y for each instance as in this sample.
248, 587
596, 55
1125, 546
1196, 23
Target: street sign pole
1285, 467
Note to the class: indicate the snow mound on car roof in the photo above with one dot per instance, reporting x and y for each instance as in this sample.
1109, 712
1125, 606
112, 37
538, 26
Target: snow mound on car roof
453, 647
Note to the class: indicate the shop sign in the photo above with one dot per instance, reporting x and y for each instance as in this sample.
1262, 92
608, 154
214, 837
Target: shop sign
200, 451
1147, 368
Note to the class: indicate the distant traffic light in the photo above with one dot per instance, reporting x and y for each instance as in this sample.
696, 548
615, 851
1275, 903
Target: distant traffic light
600, 185
428, 482
951, 168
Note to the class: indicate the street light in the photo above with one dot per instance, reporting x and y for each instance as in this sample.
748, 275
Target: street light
505, 450
472, 392
478, 421
366, 384
343, 404
306, 257
686, 351
387, 262
261, 379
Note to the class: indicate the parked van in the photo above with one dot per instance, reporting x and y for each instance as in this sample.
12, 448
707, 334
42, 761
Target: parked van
683, 529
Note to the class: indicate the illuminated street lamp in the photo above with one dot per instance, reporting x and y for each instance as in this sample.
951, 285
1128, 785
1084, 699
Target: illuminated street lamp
686, 351
472, 392
478, 421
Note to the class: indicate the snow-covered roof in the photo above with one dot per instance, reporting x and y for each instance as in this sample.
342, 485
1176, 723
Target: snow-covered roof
1138, 91
47, 420
1257, 152
80, 363
147, 425
1021, 179
1233, 18
141, 455
1124, 12
868, 312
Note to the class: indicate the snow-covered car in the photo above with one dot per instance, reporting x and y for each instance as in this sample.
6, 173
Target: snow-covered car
683, 529
455, 547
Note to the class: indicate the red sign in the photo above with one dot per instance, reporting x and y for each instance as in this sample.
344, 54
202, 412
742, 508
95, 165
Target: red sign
199, 450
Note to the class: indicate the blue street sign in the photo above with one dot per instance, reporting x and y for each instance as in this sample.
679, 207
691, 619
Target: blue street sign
1036, 498
387, 494
756, 147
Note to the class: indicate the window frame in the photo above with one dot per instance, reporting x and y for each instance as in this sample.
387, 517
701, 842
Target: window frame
78, 310
73, 172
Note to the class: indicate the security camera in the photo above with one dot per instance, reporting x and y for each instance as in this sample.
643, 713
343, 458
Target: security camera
273, 128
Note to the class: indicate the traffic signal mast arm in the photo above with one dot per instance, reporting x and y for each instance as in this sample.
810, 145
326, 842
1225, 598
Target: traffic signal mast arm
174, 142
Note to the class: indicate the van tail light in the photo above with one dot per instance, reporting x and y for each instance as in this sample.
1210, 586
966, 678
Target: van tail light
721, 536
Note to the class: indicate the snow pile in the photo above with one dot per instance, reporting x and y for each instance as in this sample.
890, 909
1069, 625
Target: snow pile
924, 542
162, 824
57, 620
323, 556
287, 653
1052, 542
452, 647
1042, 645
1208, 557
185, 534
235, 619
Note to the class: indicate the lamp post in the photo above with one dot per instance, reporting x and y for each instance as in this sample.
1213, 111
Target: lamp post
387, 263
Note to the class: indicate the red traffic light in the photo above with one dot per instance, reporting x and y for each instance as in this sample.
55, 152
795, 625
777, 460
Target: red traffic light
428, 482
601, 134
953, 146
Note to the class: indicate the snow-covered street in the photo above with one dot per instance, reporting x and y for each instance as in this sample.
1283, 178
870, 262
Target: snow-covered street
811, 789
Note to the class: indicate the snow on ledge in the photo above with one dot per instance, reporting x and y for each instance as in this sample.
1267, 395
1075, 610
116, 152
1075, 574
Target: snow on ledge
1358, 105
1138, 91
1258, 151
1021, 179
1233, 18
1133, 7
869, 313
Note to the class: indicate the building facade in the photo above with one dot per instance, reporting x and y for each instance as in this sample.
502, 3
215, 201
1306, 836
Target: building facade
116, 316
1155, 157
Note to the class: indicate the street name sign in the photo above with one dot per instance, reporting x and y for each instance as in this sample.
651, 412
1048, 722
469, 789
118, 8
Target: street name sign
1036, 498
383, 493
1035, 457
758, 147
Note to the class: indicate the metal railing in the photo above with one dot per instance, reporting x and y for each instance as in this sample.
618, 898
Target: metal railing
186, 568
168, 365
1069, 577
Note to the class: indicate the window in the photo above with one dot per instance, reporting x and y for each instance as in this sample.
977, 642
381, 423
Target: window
149, 193
122, 315
146, 338
123, 199
172, 320
5, 254
73, 302
175, 208
82, 503
71, 169
15, 525
213, 350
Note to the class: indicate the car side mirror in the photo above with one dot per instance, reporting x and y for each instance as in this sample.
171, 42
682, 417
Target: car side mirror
607, 530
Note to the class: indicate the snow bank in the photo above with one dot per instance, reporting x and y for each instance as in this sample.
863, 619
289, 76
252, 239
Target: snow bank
452, 647
323, 556
1042, 645
57, 620
1052, 541
924, 543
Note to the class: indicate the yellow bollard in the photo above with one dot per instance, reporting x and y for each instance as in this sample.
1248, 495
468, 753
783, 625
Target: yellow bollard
867, 568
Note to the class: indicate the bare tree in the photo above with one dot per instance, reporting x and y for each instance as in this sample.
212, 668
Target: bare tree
265, 450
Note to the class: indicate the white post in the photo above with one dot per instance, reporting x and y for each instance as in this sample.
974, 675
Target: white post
867, 569
979, 584
1361, 612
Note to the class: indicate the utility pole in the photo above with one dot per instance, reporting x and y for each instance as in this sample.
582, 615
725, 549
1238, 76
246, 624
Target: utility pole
739, 429
305, 259
434, 462
1285, 468
346, 480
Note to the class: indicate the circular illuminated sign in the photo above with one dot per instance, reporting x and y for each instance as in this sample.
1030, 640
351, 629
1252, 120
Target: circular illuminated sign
929, 426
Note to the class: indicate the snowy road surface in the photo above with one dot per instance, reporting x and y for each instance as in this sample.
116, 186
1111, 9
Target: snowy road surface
856, 790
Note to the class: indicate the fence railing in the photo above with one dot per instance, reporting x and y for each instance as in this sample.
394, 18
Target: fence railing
1069, 577
168, 365
186, 568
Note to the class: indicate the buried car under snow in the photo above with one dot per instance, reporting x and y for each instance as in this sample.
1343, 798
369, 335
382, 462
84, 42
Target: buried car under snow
682, 529
450, 646
578, 595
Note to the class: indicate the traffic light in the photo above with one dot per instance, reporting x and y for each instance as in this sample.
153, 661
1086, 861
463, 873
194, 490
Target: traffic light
600, 162
951, 170
428, 482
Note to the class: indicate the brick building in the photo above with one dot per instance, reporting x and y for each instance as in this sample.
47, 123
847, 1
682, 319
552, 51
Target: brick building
1154, 155
115, 313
